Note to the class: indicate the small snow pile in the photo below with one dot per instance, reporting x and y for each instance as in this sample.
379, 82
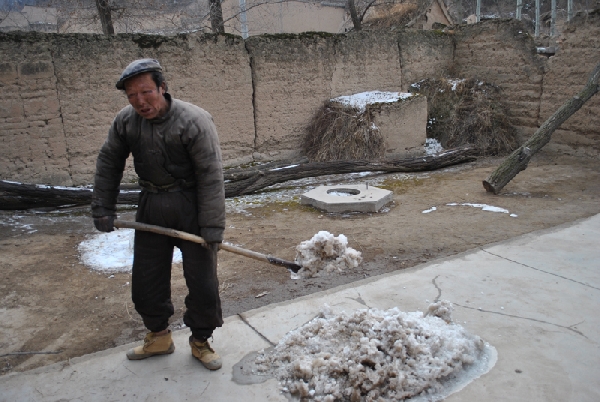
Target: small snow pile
325, 253
112, 252
361, 100
373, 355
432, 146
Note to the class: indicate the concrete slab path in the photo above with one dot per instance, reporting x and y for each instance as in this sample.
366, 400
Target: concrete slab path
535, 298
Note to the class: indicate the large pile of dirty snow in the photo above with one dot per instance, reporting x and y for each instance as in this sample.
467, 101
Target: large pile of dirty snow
373, 355
112, 252
325, 253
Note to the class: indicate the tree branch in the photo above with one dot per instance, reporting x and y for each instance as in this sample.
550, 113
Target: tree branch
519, 159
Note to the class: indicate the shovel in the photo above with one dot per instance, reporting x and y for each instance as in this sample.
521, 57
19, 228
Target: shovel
292, 266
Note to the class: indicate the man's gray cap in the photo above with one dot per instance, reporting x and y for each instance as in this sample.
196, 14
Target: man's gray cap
137, 67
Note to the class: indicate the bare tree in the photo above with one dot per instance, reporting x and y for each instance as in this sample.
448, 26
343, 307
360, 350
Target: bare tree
105, 14
216, 16
149, 16
358, 12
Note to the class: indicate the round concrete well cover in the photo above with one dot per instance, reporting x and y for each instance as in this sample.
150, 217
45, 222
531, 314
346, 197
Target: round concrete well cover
347, 198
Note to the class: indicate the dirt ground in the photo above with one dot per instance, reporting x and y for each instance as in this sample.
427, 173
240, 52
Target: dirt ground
51, 303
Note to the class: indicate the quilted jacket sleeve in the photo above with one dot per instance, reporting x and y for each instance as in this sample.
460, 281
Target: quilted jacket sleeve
109, 170
205, 154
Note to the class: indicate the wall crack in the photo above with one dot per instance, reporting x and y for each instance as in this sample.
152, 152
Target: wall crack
60, 114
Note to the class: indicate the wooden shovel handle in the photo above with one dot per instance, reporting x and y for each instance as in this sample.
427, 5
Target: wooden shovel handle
197, 239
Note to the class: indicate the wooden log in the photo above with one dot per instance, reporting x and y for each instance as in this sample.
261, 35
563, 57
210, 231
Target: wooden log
519, 159
25, 196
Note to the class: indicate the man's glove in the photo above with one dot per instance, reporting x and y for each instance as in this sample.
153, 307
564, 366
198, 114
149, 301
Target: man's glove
213, 246
105, 223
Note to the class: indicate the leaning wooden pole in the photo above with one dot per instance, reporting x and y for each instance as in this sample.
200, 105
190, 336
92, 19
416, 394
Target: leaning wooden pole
519, 159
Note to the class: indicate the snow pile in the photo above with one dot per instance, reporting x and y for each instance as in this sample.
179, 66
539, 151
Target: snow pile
325, 253
361, 100
373, 355
112, 252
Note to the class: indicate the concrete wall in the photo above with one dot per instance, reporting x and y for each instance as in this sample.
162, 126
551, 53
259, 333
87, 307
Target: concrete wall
57, 95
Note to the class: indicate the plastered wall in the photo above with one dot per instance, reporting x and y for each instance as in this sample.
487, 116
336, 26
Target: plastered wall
57, 94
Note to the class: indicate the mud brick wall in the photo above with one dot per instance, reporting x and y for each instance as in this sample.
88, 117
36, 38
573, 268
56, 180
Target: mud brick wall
568, 71
210, 71
57, 94
502, 53
403, 125
59, 97
294, 74
425, 54
32, 141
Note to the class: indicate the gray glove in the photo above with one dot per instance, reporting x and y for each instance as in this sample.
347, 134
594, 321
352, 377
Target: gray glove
105, 223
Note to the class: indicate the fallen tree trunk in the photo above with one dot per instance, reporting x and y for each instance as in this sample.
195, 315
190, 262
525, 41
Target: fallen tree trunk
519, 159
262, 179
25, 196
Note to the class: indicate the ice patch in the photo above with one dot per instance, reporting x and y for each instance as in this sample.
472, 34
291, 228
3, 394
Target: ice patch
112, 252
324, 254
373, 354
361, 100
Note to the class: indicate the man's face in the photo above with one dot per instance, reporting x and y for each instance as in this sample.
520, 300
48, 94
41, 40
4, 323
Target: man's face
147, 100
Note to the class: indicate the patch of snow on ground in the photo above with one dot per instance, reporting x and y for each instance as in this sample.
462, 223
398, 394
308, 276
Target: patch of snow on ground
376, 355
361, 100
112, 252
484, 207
455, 82
324, 254
432, 146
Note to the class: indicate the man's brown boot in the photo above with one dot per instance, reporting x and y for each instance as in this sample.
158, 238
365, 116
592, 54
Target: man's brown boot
207, 356
153, 345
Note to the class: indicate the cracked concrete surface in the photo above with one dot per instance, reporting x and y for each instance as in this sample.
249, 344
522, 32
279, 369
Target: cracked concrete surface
534, 298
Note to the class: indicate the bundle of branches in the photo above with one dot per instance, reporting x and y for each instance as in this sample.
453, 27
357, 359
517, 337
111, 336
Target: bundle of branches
338, 132
468, 112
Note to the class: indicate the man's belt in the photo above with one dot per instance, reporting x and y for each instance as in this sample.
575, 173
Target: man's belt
179, 185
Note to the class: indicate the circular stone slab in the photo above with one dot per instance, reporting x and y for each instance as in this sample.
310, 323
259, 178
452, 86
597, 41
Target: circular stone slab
347, 198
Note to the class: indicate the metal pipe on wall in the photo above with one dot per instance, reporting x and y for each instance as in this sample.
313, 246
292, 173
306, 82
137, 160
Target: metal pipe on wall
553, 19
537, 18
